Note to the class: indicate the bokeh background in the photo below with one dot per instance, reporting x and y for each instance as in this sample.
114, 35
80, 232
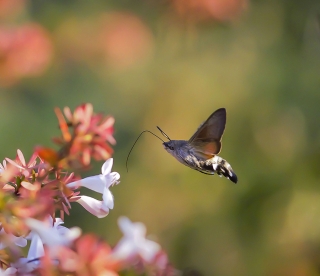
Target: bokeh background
172, 63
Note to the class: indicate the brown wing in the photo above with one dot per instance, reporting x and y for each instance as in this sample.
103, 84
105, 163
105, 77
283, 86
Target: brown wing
206, 142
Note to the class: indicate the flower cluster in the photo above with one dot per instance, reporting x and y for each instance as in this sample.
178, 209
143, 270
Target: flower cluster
36, 195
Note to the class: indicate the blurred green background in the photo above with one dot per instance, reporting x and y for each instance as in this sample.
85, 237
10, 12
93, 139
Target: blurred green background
172, 63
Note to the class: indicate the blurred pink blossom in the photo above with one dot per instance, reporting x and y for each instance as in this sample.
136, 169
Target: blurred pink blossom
126, 40
220, 10
25, 51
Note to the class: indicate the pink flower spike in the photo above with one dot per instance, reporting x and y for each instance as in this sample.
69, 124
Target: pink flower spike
134, 244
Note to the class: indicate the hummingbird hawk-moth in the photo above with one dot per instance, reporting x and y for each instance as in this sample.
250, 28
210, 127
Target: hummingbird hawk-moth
200, 151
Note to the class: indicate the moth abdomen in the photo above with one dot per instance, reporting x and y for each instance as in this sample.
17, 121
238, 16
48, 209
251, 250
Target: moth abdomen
221, 167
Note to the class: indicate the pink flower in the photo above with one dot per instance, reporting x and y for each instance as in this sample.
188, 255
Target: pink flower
90, 137
88, 253
125, 40
7, 174
25, 51
100, 184
20, 163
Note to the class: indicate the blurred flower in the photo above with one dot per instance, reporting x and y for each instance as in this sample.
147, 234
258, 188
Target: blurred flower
4, 237
221, 10
49, 155
90, 256
7, 174
126, 40
52, 235
24, 51
116, 40
100, 184
28, 201
134, 244
7, 272
10, 246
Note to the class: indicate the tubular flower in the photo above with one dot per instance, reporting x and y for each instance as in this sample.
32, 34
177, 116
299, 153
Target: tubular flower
100, 184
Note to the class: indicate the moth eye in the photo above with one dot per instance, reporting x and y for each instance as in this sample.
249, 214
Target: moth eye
171, 148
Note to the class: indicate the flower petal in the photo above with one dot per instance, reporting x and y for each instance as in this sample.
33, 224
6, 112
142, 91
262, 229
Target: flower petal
20, 241
125, 224
108, 198
134, 242
93, 206
107, 166
124, 250
94, 183
9, 271
50, 235
21, 157
148, 250
36, 249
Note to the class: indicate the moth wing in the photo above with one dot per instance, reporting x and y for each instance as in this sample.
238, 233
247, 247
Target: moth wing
205, 149
206, 141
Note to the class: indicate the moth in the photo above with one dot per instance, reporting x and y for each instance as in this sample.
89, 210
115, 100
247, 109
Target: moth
200, 151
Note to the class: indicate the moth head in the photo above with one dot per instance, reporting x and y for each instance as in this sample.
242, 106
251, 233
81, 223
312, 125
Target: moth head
169, 146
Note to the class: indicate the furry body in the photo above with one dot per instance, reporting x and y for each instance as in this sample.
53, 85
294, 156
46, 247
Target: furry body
184, 152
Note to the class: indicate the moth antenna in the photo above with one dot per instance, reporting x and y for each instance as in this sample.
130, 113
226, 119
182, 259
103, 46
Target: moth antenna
162, 132
137, 141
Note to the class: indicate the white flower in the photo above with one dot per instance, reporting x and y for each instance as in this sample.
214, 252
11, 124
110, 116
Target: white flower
44, 233
100, 184
53, 236
134, 243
